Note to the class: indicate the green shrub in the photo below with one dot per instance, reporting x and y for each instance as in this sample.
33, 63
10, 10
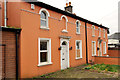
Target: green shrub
88, 68
102, 67
92, 67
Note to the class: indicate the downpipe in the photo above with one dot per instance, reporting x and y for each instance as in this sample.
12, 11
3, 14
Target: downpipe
5, 13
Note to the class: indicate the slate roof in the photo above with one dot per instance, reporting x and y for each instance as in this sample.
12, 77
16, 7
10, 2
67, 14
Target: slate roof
115, 36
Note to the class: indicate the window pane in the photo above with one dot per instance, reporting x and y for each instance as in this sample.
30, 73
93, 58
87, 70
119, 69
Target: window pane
78, 45
93, 47
93, 30
99, 33
64, 43
43, 57
78, 53
104, 33
43, 15
77, 29
77, 24
43, 45
103, 47
43, 23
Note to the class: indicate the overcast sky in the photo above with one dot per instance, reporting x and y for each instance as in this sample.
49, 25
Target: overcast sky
103, 12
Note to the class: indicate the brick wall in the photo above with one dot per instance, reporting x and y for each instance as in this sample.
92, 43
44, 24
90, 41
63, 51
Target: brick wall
9, 64
114, 53
107, 60
1, 59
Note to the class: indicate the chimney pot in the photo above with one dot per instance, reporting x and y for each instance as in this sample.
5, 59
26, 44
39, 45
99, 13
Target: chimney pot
66, 4
69, 3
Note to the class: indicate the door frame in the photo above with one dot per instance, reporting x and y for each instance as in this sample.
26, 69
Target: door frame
61, 41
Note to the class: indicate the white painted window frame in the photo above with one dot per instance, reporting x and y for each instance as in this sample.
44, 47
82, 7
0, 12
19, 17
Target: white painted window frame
65, 30
80, 45
105, 48
100, 49
49, 51
79, 24
32, 6
94, 48
47, 19
93, 28
103, 33
99, 30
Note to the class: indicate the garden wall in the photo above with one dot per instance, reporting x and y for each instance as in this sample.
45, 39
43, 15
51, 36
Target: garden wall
107, 60
8, 51
114, 52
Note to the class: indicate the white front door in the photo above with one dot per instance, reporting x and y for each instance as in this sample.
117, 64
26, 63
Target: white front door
64, 55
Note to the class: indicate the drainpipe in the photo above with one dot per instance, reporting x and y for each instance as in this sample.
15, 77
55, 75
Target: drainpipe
86, 42
5, 13
17, 60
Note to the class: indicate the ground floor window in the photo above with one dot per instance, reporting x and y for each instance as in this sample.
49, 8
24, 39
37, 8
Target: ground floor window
93, 48
104, 47
44, 51
99, 49
78, 49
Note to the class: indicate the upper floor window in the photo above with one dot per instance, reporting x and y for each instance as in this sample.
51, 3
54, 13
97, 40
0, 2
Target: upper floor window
104, 33
78, 27
43, 19
99, 32
93, 30
32, 6
44, 14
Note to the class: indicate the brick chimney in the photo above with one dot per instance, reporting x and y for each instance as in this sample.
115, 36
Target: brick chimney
68, 8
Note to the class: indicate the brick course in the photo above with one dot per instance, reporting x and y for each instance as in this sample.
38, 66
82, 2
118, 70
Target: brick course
114, 53
107, 60
8, 38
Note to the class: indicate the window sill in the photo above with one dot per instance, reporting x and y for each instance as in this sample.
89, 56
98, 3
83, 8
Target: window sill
64, 31
44, 64
94, 55
99, 36
104, 53
78, 33
44, 28
79, 58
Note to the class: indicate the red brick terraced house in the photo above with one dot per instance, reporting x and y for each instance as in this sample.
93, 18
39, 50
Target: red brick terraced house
47, 39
